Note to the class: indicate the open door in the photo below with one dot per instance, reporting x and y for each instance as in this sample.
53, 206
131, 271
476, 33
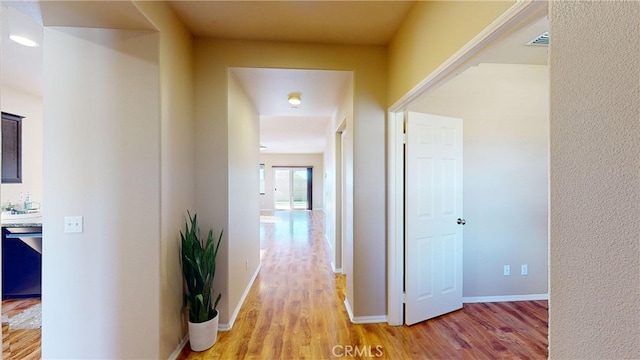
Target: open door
433, 216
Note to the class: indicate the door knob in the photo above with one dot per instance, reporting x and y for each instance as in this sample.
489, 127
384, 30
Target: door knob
461, 221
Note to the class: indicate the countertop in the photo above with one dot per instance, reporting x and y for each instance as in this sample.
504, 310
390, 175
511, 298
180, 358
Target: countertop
21, 225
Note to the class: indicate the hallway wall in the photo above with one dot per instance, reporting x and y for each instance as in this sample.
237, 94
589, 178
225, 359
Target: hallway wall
177, 163
102, 161
241, 244
333, 181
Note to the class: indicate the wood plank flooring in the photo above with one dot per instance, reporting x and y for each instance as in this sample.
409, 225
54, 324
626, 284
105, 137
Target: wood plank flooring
295, 310
19, 344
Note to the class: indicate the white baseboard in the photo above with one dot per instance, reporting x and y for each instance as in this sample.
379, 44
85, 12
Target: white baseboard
504, 298
333, 265
178, 349
335, 269
363, 319
326, 238
228, 326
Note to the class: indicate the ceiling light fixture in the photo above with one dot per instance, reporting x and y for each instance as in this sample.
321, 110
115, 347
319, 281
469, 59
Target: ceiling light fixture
294, 99
23, 41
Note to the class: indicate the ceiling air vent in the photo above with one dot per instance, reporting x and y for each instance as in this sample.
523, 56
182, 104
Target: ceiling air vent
542, 39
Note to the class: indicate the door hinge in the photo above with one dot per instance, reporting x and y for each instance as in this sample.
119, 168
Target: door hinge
404, 298
404, 138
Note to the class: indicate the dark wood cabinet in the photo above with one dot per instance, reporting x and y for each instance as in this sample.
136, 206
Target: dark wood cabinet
21, 261
11, 148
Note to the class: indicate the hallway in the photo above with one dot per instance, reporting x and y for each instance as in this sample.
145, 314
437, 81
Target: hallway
295, 310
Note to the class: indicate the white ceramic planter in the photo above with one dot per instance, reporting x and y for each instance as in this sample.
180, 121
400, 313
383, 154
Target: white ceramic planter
203, 335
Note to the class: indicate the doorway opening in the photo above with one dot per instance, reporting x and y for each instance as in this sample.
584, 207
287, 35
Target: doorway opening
484, 199
293, 188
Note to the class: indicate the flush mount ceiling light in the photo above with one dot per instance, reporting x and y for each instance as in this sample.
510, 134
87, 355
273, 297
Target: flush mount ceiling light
23, 41
294, 99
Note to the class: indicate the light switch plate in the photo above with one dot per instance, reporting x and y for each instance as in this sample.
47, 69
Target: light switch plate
73, 224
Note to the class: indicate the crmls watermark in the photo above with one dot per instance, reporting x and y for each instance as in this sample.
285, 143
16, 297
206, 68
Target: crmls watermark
358, 350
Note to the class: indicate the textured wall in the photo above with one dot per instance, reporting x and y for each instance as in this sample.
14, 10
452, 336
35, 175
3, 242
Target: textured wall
595, 183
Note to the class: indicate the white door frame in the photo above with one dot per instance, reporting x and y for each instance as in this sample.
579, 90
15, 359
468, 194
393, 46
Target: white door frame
340, 213
523, 11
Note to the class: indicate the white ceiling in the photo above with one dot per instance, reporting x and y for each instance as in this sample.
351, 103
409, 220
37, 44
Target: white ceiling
21, 66
293, 129
283, 129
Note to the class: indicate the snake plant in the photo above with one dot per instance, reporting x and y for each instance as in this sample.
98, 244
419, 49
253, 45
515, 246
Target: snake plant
198, 260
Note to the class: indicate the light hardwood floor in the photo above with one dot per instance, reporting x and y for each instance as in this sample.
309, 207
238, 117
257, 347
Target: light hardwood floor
295, 310
19, 344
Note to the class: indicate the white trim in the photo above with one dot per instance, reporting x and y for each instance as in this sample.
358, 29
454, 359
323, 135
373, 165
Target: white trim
395, 228
521, 11
504, 298
348, 307
328, 242
335, 269
333, 264
363, 319
176, 352
228, 326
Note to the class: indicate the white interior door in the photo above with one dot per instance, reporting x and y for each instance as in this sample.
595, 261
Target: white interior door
433, 205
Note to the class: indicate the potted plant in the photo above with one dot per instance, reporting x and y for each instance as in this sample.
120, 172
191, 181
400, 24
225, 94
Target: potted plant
198, 260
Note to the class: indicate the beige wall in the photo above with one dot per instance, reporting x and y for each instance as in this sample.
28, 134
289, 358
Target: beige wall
432, 32
242, 242
312, 160
595, 193
177, 163
102, 161
333, 170
22, 103
214, 57
505, 112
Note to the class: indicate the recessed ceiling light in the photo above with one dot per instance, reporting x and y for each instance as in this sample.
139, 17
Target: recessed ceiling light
294, 99
23, 41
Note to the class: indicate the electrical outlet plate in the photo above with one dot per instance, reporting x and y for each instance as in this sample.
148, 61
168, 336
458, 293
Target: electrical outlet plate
507, 270
524, 269
73, 224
